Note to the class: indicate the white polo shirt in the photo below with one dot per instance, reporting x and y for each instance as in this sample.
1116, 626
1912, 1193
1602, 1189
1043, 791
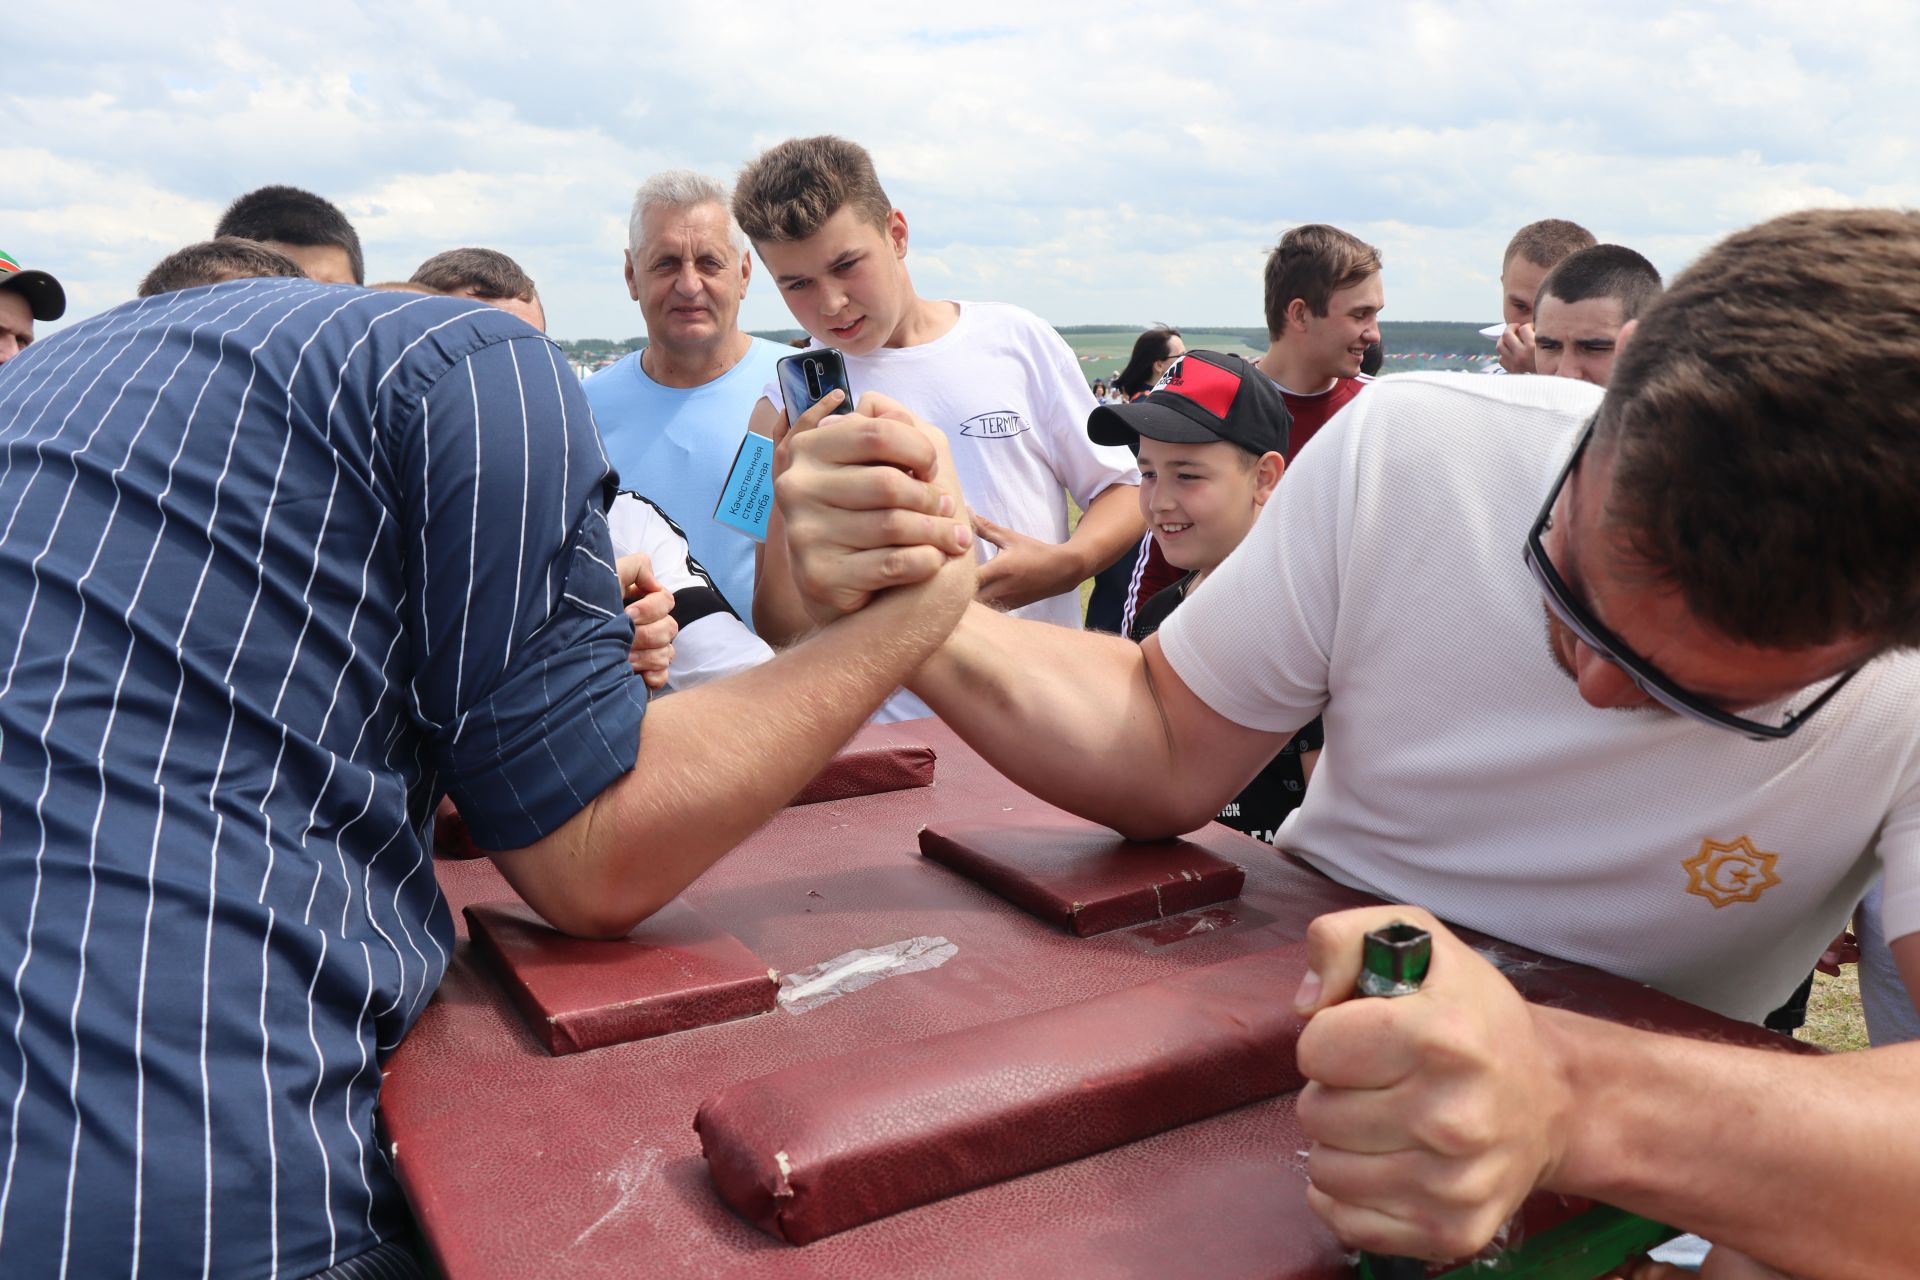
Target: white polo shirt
1384, 588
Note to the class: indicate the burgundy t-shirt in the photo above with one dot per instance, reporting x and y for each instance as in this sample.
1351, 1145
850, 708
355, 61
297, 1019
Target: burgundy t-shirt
1310, 413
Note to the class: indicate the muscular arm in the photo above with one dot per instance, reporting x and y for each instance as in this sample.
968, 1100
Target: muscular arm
715, 762
612, 805
1094, 724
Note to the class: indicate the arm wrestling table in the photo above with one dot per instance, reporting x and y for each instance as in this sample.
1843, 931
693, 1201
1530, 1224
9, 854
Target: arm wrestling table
518, 1163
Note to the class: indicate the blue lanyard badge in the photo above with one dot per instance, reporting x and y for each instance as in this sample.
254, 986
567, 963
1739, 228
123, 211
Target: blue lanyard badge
747, 499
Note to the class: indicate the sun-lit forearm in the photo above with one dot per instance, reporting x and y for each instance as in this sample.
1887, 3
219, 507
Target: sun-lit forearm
1069, 715
716, 762
1806, 1163
1111, 523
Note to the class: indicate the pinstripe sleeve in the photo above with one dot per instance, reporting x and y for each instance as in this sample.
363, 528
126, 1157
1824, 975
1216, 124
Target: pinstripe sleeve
520, 671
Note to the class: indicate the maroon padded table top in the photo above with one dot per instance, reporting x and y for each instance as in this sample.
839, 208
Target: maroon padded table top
519, 1163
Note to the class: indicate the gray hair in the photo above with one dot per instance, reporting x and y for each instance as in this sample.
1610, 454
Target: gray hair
683, 189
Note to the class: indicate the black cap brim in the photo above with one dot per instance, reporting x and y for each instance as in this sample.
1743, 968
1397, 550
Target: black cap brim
1154, 419
45, 298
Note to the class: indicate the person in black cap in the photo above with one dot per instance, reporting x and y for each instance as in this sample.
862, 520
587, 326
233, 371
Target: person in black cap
25, 296
1213, 442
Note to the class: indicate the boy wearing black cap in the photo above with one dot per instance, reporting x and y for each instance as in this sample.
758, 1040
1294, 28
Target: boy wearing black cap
1213, 441
25, 296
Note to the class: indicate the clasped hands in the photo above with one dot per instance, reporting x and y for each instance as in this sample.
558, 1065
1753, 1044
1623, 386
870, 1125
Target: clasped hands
870, 501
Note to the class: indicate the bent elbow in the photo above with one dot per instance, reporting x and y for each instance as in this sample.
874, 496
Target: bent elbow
1165, 821
602, 920
1148, 832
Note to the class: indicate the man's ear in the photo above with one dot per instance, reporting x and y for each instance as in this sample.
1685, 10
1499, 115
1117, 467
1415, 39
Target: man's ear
746, 270
1297, 314
1266, 475
1625, 336
626, 269
897, 232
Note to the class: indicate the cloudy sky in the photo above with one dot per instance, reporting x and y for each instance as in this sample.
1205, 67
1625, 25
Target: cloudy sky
1111, 162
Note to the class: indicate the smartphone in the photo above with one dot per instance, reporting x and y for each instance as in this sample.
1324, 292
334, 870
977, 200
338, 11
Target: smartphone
809, 375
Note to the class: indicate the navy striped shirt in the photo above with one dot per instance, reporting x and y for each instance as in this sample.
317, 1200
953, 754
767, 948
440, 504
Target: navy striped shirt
280, 562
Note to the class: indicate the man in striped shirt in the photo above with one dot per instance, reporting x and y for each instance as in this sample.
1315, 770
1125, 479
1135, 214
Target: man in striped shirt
282, 564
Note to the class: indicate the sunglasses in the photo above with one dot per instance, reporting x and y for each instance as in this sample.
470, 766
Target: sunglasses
1578, 619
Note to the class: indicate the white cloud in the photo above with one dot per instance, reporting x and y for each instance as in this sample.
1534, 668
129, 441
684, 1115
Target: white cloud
1094, 162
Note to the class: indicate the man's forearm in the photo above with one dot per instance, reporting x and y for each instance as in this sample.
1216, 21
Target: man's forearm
1073, 717
1111, 523
1805, 1163
715, 762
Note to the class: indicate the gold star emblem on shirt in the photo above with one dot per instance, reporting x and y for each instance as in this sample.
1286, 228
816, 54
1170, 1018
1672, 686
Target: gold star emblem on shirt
1724, 874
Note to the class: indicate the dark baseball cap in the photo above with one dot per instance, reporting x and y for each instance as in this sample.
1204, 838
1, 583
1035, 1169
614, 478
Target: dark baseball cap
1202, 398
45, 298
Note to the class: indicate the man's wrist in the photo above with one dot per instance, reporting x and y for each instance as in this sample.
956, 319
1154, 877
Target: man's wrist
922, 615
1071, 563
1582, 1147
1103, 536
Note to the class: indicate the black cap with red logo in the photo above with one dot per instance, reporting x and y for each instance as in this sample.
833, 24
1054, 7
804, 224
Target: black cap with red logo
1203, 397
45, 298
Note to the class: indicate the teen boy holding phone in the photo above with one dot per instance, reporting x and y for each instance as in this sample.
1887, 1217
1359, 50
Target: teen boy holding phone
995, 378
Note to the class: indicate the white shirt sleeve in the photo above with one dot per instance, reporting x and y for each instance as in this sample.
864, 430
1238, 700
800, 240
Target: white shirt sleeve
713, 641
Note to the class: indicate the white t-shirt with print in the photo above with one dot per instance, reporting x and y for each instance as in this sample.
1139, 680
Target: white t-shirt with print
1384, 588
1013, 401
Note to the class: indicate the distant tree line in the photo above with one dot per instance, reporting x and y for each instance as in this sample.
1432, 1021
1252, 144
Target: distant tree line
1449, 336
596, 348
1442, 337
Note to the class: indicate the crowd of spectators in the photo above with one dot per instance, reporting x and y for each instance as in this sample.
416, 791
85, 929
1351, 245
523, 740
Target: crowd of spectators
295, 565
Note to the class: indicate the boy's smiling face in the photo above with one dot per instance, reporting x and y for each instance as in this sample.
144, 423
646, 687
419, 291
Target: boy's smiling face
1201, 499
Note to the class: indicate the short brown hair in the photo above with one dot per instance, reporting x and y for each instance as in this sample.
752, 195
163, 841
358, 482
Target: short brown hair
216, 261
1762, 424
288, 215
1545, 242
1604, 271
787, 192
488, 272
1314, 262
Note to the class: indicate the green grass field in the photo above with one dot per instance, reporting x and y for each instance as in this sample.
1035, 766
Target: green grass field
1834, 1020
1105, 353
